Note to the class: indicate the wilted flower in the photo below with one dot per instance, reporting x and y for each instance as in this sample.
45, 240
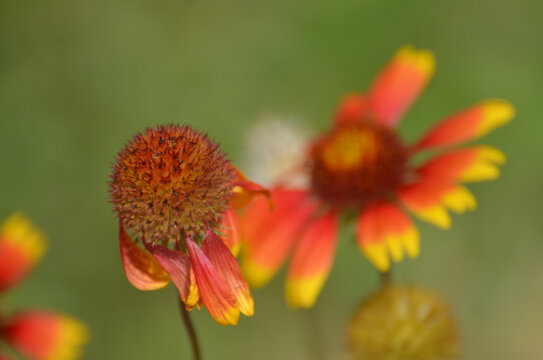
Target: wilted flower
402, 322
172, 188
36, 334
362, 166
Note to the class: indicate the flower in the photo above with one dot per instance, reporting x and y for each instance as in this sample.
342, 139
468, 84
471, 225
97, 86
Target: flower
173, 189
361, 166
36, 334
403, 322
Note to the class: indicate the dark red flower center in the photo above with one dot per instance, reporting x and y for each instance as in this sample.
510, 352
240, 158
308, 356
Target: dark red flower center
355, 164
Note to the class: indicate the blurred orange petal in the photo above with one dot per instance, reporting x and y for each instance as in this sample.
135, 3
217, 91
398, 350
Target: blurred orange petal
383, 232
230, 229
469, 124
478, 163
21, 246
245, 190
351, 109
312, 260
42, 335
399, 84
140, 267
270, 234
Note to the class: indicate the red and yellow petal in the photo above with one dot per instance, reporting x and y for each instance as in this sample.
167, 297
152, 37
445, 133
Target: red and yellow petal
177, 265
469, 124
222, 259
245, 190
270, 234
478, 163
43, 335
430, 200
215, 293
351, 109
230, 229
399, 84
21, 246
140, 267
312, 260
383, 232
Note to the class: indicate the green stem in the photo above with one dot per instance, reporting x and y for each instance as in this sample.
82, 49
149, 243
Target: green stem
193, 339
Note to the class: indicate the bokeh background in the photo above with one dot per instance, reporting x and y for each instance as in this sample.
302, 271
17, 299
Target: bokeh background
79, 78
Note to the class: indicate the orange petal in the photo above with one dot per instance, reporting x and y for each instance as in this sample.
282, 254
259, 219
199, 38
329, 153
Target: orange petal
468, 124
383, 232
222, 259
215, 293
399, 84
245, 190
312, 261
430, 199
177, 266
140, 267
271, 234
230, 229
42, 335
472, 164
351, 110
21, 246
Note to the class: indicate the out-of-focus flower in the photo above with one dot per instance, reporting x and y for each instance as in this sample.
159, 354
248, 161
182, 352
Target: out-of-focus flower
361, 165
173, 188
403, 322
36, 334
276, 149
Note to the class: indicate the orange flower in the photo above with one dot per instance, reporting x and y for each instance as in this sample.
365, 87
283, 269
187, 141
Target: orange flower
362, 165
173, 188
37, 334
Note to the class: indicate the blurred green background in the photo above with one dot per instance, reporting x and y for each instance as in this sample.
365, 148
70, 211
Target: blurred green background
79, 78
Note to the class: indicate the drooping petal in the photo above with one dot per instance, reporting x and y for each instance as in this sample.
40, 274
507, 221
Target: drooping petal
270, 234
215, 293
140, 267
245, 190
399, 84
21, 246
43, 335
222, 259
478, 163
312, 260
351, 109
469, 124
177, 266
430, 199
383, 232
230, 229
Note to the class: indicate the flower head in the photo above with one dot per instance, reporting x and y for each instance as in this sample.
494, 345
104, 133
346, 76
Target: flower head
403, 322
37, 334
362, 166
172, 188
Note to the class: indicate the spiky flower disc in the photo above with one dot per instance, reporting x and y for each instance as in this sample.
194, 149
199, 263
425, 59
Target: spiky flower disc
403, 322
170, 180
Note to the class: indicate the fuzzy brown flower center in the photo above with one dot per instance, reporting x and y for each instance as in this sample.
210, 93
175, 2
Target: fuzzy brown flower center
170, 181
357, 163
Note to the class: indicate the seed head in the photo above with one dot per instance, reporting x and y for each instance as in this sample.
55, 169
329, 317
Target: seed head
403, 322
170, 181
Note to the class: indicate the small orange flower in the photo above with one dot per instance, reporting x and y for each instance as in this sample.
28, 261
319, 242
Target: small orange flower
173, 188
37, 334
361, 164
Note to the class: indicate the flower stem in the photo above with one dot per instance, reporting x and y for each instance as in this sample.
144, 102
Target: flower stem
386, 278
196, 355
